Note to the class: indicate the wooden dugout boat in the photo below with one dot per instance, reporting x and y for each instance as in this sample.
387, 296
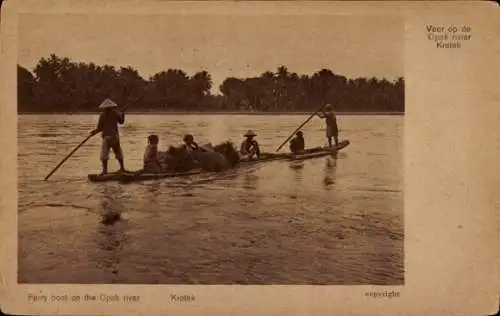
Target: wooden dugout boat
134, 176
265, 157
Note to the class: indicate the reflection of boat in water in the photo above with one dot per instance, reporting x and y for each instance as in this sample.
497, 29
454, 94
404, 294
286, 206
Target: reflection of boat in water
265, 157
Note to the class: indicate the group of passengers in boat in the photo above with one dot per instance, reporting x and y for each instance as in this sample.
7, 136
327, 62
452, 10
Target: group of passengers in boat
190, 154
156, 160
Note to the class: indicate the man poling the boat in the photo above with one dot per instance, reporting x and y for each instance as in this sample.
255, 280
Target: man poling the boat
297, 144
107, 125
332, 130
250, 147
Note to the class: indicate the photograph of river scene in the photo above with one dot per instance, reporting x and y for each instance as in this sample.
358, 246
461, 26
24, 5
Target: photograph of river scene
255, 149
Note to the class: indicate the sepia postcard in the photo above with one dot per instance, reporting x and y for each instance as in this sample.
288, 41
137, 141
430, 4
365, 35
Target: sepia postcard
249, 158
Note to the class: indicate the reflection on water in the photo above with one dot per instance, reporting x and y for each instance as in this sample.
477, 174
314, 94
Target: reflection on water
110, 203
110, 235
330, 220
297, 168
330, 168
250, 181
110, 241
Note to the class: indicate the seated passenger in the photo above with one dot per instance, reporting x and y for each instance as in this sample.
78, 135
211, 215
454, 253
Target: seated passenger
190, 144
297, 144
151, 155
250, 147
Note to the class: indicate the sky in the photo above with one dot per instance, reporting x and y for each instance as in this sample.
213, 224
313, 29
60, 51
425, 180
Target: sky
224, 45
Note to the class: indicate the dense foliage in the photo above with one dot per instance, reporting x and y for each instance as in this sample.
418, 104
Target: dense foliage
61, 85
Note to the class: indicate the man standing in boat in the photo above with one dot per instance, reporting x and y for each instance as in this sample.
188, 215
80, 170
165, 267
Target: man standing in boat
332, 129
107, 125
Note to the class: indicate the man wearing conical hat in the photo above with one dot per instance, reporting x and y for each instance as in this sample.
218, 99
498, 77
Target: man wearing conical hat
107, 125
331, 124
250, 147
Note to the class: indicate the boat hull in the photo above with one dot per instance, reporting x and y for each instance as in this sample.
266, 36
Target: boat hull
138, 176
320, 151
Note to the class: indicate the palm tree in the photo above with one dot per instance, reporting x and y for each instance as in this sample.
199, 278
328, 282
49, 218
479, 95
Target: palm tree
25, 84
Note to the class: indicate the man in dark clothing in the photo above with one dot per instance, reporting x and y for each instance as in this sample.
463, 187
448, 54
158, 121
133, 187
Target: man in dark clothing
190, 144
152, 155
297, 144
109, 119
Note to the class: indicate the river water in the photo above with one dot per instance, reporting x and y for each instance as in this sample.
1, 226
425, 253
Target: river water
320, 221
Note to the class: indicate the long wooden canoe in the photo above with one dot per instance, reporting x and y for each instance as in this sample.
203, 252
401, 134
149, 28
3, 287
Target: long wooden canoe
136, 176
304, 155
139, 176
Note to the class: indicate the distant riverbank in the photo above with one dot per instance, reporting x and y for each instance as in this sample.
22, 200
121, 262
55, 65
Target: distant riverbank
212, 113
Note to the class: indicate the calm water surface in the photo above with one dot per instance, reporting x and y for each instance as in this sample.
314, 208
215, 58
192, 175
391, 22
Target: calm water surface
321, 221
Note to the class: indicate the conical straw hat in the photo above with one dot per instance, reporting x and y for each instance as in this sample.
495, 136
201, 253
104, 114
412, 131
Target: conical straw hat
250, 133
108, 104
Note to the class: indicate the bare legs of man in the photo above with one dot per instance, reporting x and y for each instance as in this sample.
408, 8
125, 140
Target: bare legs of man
104, 164
114, 144
335, 138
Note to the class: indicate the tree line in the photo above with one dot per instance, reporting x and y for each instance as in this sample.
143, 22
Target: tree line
60, 85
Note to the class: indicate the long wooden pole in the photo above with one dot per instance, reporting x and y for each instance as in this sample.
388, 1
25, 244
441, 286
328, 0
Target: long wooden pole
298, 128
69, 155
